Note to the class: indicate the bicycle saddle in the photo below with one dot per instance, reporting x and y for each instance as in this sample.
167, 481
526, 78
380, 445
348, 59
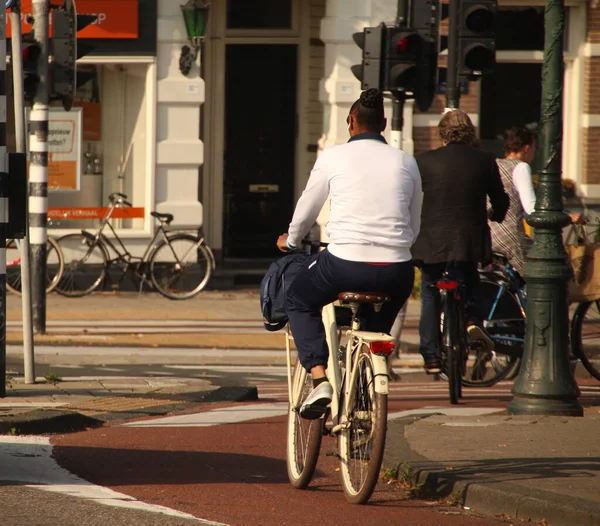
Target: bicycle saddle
167, 218
365, 297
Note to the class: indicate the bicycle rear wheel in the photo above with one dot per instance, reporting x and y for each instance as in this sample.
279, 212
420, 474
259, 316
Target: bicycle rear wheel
181, 267
450, 348
585, 336
361, 445
304, 436
85, 265
54, 266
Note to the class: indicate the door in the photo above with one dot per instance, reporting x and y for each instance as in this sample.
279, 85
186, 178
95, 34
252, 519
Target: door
260, 143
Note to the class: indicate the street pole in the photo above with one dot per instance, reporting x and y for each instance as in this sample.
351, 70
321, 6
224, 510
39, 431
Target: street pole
545, 385
38, 170
398, 97
3, 199
452, 84
21, 147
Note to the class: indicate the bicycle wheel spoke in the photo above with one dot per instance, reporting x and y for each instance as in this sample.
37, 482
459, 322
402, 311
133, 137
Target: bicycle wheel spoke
84, 265
180, 268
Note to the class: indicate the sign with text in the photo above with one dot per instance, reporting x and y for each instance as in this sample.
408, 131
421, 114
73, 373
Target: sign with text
95, 213
115, 18
64, 149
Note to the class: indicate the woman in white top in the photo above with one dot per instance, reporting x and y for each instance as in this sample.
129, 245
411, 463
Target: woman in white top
509, 237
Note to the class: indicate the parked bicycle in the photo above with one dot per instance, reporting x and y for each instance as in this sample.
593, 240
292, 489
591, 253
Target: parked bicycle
357, 417
54, 265
176, 264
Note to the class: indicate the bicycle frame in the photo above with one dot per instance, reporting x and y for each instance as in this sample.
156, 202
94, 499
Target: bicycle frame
356, 339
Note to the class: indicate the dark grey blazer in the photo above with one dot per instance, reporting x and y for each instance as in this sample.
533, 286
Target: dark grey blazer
457, 179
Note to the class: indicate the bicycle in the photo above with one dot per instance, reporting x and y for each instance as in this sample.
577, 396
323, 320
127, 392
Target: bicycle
453, 331
55, 265
506, 324
357, 416
176, 264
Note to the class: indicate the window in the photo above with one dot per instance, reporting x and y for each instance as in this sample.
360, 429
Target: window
260, 14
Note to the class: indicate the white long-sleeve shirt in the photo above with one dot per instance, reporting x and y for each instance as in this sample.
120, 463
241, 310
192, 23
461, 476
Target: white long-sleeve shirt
375, 201
522, 180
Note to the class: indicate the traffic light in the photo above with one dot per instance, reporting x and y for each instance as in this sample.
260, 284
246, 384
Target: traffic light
425, 19
65, 53
30, 55
369, 72
401, 48
477, 37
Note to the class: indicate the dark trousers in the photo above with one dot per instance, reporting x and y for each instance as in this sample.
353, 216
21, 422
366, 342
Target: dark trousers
320, 283
429, 326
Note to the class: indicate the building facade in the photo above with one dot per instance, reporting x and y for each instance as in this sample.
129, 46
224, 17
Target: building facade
229, 146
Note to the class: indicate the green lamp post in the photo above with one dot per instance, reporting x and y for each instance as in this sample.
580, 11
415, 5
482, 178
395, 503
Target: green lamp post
195, 17
545, 385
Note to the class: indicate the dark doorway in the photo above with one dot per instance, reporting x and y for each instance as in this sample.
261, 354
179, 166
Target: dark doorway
260, 141
512, 96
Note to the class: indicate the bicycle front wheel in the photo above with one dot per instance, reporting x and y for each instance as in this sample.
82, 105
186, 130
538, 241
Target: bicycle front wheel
54, 266
362, 443
85, 265
585, 336
304, 436
180, 267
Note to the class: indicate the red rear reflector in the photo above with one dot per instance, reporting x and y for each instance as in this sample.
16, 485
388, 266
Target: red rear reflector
447, 285
382, 347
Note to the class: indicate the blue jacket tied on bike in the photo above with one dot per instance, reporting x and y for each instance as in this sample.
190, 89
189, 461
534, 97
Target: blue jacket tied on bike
273, 288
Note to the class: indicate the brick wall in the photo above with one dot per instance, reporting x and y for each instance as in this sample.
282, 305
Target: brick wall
591, 136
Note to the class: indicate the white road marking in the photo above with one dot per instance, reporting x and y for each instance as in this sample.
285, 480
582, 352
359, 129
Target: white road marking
448, 411
28, 459
217, 417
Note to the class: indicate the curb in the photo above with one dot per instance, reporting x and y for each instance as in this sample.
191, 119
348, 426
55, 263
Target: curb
501, 498
50, 421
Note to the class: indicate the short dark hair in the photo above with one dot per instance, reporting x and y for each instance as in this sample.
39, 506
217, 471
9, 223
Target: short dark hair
517, 138
456, 127
368, 110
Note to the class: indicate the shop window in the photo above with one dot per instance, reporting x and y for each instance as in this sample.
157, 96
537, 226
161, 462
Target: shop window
110, 147
522, 29
261, 14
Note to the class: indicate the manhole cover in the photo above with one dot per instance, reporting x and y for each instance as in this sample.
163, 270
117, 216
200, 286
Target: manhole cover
118, 404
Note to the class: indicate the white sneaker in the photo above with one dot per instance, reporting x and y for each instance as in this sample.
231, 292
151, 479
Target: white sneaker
317, 401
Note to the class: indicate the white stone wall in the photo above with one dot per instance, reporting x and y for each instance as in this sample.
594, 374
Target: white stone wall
179, 152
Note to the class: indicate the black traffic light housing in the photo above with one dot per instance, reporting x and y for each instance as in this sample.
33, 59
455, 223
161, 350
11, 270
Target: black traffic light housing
477, 37
65, 53
401, 49
369, 71
30, 56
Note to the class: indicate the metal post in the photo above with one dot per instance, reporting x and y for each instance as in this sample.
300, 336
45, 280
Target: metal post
3, 199
397, 119
38, 170
21, 147
452, 85
545, 385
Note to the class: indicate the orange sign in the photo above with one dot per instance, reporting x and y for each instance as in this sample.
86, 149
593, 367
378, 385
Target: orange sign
94, 213
115, 18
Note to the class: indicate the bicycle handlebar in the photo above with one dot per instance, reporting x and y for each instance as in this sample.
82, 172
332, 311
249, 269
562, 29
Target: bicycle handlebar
119, 198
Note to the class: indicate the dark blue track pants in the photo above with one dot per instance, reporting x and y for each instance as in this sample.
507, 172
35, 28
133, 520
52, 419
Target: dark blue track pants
319, 284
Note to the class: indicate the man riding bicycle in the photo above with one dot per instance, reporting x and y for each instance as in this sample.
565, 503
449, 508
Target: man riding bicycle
457, 180
375, 216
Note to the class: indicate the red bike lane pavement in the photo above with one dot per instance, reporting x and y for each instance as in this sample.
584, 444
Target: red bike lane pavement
236, 473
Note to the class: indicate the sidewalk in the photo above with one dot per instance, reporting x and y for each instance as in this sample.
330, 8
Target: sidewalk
520, 467
241, 307
78, 403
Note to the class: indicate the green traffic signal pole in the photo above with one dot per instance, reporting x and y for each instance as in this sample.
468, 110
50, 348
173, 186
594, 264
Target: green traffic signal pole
545, 385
